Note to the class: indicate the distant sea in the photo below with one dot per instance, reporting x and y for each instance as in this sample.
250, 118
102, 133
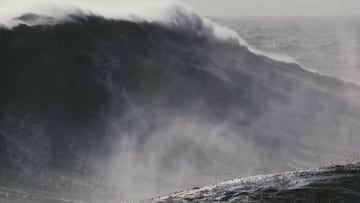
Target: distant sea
329, 45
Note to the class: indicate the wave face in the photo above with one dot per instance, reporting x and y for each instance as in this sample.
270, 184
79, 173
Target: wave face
121, 109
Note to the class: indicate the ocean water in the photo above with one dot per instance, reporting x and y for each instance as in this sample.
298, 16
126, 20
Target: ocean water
332, 184
329, 45
102, 109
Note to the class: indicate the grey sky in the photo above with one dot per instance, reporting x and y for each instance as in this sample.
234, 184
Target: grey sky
240, 7
276, 7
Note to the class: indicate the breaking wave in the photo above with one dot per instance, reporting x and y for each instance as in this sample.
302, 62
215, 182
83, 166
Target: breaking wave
121, 108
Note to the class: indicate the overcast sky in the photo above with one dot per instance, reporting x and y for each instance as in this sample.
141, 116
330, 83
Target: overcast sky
238, 7
276, 7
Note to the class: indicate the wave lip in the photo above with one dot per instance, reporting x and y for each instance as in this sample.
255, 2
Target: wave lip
171, 14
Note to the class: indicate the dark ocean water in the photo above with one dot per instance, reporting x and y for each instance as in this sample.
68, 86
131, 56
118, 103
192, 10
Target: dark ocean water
102, 110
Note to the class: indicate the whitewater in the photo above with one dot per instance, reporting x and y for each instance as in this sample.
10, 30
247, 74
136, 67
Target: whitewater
113, 103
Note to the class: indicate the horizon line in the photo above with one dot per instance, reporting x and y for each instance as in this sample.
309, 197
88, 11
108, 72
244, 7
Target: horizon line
279, 16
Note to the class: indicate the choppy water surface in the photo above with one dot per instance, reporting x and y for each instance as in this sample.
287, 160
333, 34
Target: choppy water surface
334, 184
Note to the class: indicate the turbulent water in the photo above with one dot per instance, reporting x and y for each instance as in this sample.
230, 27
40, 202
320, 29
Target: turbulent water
97, 109
333, 184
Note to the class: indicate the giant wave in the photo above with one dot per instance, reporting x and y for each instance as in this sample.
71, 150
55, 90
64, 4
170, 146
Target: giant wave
106, 106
